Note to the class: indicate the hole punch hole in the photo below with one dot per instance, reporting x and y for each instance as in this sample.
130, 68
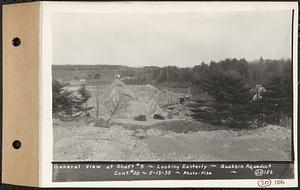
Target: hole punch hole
16, 42
17, 144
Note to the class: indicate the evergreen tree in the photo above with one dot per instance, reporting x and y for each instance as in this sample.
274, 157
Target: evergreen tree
231, 97
277, 102
68, 102
57, 96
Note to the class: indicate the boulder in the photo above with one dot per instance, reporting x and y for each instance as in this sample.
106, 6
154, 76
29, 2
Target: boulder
159, 117
140, 118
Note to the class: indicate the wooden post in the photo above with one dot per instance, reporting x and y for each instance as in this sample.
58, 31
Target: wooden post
86, 108
257, 94
97, 108
97, 102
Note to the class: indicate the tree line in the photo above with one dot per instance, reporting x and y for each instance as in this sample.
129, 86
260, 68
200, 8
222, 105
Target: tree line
245, 94
232, 85
258, 71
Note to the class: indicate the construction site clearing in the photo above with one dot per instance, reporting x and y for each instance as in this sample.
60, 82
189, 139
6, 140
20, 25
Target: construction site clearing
143, 123
137, 104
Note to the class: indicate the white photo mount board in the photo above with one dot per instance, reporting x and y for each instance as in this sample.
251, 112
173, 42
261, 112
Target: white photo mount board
26, 75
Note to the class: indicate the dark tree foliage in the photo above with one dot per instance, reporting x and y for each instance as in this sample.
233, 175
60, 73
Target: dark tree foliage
84, 94
64, 103
231, 83
241, 66
169, 74
58, 99
97, 76
228, 86
277, 103
262, 70
231, 96
200, 73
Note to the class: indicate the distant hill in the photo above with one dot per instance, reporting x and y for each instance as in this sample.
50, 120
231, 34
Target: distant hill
100, 73
89, 67
88, 72
258, 72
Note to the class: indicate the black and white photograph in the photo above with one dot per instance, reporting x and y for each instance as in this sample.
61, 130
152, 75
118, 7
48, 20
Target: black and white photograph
183, 86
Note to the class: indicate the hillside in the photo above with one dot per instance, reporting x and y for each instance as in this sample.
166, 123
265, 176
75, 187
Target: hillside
88, 72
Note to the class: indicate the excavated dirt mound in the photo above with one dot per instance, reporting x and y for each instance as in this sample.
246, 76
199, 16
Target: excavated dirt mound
159, 142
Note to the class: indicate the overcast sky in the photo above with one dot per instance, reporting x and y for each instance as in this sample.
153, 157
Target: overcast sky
181, 39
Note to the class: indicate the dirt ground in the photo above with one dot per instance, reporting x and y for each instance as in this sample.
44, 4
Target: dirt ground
167, 141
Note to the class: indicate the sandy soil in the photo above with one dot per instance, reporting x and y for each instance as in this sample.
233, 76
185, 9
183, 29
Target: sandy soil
160, 142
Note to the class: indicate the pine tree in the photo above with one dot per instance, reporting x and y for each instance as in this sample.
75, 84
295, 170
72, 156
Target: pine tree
57, 97
277, 102
231, 97
68, 102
